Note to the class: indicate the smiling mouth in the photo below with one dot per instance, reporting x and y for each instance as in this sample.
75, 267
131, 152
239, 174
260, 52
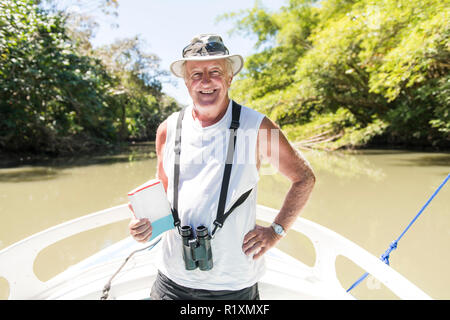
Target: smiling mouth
208, 91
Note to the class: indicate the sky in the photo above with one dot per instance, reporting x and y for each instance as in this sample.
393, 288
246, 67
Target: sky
167, 26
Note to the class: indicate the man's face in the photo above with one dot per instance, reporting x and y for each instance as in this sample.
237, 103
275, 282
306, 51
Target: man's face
208, 83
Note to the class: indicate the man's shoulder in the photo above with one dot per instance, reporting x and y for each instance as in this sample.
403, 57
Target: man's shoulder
251, 115
168, 123
174, 114
170, 119
161, 132
248, 109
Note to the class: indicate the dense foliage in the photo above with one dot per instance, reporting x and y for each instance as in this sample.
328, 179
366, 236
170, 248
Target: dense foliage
337, 73
58, 96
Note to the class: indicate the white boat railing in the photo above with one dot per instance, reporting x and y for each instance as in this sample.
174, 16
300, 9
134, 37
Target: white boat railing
329, 245
17, 260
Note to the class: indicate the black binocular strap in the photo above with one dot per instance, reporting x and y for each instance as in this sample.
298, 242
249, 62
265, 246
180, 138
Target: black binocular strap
176, 173
221, 216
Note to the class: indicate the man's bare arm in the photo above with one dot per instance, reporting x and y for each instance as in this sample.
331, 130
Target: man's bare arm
293, 166
276, 149
160, 143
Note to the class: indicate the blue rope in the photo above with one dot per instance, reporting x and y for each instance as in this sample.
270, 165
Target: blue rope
385, 256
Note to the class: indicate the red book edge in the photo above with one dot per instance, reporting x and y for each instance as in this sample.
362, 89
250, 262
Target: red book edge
143, 188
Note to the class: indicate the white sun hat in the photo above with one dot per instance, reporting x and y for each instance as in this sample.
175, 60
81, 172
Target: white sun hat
206, 47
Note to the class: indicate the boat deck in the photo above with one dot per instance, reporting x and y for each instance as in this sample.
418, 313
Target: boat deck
285, 279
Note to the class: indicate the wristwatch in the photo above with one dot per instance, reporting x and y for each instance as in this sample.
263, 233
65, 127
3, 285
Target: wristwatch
278, 229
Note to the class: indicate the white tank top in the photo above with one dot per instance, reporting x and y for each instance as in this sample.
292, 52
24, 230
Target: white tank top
202, 161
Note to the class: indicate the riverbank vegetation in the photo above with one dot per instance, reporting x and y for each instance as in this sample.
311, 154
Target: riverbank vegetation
59, 95
333, 74
351, 73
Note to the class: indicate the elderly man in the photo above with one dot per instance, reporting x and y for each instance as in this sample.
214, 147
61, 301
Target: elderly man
209, 161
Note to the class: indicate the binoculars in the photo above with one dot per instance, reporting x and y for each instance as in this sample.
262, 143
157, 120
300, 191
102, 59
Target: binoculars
196, 250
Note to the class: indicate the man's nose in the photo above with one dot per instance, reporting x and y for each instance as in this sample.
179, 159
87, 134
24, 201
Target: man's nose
206, 78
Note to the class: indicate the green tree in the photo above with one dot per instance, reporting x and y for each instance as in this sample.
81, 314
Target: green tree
49, 93
373, 70
137, 90
58, 95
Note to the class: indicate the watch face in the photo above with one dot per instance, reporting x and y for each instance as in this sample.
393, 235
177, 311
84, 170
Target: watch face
278, 229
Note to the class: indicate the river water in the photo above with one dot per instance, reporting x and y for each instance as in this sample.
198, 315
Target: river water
368, 197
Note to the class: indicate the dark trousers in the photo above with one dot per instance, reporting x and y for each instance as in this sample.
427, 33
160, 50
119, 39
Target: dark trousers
165, 289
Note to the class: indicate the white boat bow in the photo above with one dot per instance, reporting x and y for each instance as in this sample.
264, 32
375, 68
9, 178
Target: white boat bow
285, 278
